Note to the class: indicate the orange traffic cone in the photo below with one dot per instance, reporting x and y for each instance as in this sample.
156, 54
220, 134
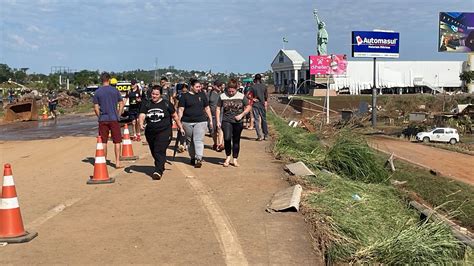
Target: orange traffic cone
127, 150
11, 223
45, 116
101, 175
174, 126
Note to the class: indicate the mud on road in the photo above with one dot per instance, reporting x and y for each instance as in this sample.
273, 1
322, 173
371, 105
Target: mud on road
213, 215
455, 165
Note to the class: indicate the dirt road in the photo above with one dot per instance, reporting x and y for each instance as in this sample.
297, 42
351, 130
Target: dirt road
452, 164
206, 216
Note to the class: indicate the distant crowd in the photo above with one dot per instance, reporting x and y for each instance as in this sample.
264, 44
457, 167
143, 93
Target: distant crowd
221, 109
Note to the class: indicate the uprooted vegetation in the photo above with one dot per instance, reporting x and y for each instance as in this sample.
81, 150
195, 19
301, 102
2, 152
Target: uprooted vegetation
357, 216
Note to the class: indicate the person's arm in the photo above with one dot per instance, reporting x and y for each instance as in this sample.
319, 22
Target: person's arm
178, 122
180, 112
218, 114
120, 109
141, 121
208, 112
96, 109
265, 95
247, 109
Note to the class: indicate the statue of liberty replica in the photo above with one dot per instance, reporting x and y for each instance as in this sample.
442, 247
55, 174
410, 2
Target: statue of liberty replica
322, 35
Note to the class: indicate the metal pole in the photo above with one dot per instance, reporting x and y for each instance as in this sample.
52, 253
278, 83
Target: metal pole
327, 100
374, 96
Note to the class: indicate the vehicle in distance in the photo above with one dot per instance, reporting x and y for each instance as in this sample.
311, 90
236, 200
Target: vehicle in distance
439, 134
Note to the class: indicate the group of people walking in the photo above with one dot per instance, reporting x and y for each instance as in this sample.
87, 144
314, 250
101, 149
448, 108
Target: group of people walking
219, 109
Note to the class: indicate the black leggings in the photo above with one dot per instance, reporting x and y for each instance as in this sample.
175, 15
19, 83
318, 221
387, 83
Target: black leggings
158, 143
232, 132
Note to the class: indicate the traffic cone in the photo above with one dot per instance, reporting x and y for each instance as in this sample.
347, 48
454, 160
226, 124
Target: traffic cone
101, 175
174, 126
11, 223
127, 150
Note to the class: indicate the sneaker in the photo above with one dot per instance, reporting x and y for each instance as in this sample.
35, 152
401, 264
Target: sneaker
198, 163
138, 138
193, 161
259, 139
265, 137
156, 176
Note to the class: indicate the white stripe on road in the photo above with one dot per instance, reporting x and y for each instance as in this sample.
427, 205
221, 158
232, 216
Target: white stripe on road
8, 181
226, 234
51, 213
9, 203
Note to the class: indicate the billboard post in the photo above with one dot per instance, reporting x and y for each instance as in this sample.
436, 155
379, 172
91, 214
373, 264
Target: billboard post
373, 44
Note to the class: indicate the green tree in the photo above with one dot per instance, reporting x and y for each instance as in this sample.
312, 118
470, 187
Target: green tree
5, 73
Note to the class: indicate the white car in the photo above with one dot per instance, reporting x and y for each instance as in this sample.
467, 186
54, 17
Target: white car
439, 134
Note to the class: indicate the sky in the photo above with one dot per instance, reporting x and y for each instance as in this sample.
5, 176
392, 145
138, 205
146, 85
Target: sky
219, 35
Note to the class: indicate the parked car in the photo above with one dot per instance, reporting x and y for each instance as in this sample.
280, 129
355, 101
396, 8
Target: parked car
439, 134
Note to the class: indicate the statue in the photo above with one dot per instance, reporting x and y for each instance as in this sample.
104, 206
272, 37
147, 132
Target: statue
322, 35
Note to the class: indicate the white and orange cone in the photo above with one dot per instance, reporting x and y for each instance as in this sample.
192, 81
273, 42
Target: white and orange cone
101, 175
11, 223
127, 150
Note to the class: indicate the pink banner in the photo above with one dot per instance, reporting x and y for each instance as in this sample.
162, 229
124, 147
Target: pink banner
327, 64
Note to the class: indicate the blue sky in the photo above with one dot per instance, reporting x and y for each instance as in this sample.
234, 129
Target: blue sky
225, 35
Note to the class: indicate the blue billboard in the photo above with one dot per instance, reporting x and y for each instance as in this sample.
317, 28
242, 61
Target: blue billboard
375, 44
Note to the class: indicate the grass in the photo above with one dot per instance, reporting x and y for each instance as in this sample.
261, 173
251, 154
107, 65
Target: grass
452, 196
360, 222
352, 157
378, 227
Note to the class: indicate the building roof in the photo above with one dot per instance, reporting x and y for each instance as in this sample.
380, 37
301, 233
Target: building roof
293, 55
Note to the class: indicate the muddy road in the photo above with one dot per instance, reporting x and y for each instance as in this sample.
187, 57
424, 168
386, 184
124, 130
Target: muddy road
208, 216
455, 165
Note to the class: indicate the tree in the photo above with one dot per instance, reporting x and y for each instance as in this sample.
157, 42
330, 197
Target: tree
5, 73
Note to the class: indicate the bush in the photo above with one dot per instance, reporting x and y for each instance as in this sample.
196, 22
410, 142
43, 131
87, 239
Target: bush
351, 157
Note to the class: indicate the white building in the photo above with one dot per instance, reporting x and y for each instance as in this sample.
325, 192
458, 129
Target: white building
289, 68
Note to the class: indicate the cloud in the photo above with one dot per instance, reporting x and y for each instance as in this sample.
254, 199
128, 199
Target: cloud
22, 43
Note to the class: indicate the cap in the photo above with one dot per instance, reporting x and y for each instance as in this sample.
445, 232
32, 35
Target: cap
113, 81
133, 81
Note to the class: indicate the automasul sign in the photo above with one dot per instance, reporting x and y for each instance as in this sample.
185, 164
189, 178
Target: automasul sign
375, 44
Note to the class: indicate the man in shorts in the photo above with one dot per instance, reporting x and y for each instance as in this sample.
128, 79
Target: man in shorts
106, 98
134, 101
52, 103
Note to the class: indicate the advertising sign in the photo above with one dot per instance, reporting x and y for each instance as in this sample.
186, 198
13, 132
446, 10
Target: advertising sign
375, 44
328, 64
456, 32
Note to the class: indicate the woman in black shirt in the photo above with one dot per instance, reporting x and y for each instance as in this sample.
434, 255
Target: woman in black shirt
158, 131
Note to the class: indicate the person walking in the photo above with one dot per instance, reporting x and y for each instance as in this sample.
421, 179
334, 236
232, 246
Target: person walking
217, 135
194, 112
134, 101
260, 105
158, 112
234, 106
52, 103
106, 98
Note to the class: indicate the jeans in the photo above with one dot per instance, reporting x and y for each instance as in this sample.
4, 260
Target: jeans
232, 133
195, 138
260, 116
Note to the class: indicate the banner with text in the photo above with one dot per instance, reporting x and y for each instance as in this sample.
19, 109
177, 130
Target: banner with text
375, 44
328, 64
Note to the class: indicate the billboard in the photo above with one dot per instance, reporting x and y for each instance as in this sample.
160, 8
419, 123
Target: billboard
328, 64
375, 44
456, 32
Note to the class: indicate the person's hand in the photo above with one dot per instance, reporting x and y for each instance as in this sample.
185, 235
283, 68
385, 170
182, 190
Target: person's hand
142, 126
238, 117
181, 129
266, 106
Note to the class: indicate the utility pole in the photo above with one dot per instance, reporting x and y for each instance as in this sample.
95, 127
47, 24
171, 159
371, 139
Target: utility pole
155, 79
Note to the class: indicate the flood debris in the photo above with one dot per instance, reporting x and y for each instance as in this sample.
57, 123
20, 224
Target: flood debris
286, 200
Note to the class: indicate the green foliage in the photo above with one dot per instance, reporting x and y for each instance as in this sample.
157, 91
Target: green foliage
296, 144
467, 76
351, 157
452, 196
